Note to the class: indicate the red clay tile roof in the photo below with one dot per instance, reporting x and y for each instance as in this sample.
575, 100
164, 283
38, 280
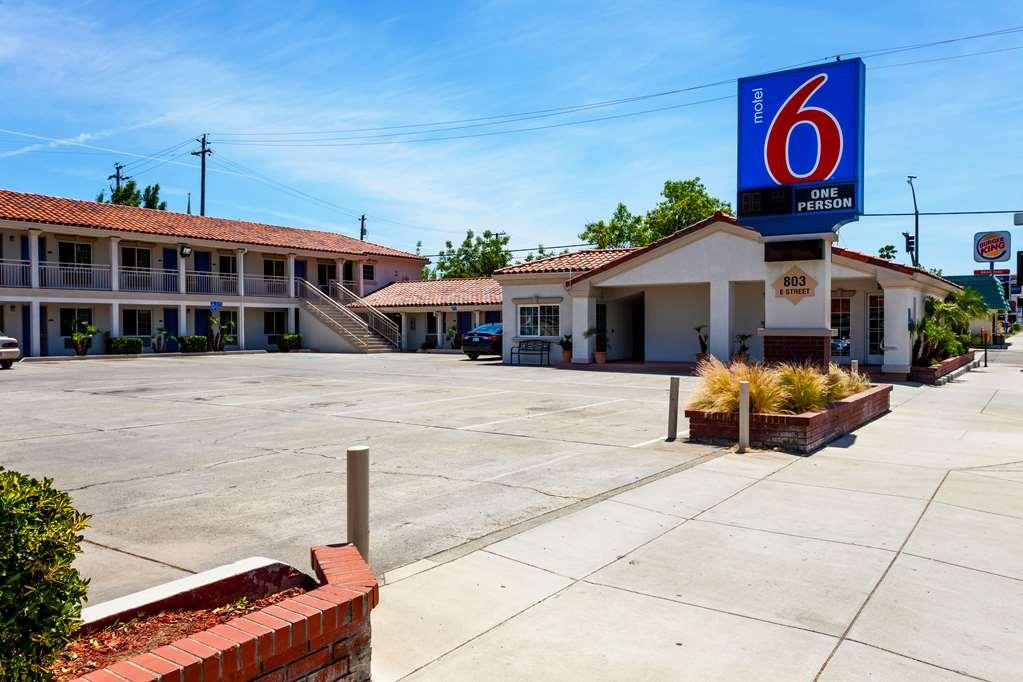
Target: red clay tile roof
577, 261
437, 292
882, 263
39, 208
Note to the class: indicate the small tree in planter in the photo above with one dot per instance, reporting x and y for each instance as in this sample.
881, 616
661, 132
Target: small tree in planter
600, 344
742, 350
41, 594
453, 337
701, 336
566, 348
217, 338
81, 338
162, 340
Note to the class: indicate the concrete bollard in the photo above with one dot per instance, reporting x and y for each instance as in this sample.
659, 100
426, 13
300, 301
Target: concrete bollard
743, 415
673, 409
854, 366
358, 499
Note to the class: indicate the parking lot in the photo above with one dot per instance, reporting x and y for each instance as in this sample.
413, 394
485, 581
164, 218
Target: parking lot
189, 463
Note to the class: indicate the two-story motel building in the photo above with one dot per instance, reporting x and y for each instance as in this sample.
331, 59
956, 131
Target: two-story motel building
131, 271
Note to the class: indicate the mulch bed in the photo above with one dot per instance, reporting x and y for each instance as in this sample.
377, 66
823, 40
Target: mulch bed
123, 640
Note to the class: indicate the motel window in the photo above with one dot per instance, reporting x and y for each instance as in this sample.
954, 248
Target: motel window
274, 268
229, 325
136, 322
275, 322
348, 271
73, 319
412, 322
875, 324
369, 272
539, 320
228, 264
840, 321
74, 253
135, 257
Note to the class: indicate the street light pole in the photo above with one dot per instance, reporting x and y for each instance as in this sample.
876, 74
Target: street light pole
916, 222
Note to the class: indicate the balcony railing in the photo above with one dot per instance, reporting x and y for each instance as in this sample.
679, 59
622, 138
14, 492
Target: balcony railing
266, 286
63, 276
15, 273
213, 283
146, 279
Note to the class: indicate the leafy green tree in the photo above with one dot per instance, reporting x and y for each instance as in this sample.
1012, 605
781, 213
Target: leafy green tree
887, 252
623, 229
541, 252
476, 256
128, 194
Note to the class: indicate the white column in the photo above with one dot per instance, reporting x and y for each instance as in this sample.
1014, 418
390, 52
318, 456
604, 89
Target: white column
115, 264
240, 331
898, 342
291, 277
33, 259
475, 319
339, 264
182, 273
720, 327
359, 285
292, 314
441, 330
404, 332
35, 332
240, 258
182, 319
584, 316
115, 320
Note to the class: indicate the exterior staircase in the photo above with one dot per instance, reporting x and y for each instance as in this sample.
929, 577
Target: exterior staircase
355, 324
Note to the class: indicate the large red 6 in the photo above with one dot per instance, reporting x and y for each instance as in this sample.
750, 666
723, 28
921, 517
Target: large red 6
792, 113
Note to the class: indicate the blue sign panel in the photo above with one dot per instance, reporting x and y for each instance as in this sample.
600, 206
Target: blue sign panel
801, 148
216, 305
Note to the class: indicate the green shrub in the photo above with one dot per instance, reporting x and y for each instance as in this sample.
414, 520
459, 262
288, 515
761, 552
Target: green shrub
125, 345
41, 594
192, 344
289, 342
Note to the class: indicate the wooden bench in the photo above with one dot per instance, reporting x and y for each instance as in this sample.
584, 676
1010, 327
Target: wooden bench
540, 349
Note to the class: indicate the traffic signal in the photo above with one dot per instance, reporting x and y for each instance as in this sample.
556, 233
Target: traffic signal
910, 242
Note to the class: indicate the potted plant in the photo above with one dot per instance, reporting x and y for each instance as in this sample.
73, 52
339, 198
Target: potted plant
742, 352
162, 340
600, 344
217, 338
701, 336
566, 348
81, 338
453, 337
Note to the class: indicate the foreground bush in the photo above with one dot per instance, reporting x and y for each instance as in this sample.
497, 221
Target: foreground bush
289, 342
125, 345
780, 389
192, 344
41, 595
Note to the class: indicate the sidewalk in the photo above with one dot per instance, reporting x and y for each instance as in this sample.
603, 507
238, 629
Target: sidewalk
895, 552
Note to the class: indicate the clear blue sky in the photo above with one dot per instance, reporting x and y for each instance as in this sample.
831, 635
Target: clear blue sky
141, 77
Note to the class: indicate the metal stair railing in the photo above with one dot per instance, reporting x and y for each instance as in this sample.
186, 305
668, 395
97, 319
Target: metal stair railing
376, 320
315, 298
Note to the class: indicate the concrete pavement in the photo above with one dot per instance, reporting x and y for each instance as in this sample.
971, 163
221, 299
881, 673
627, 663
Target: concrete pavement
893, 554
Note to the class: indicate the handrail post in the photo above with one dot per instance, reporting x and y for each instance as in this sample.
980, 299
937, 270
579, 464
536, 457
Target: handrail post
743, 416
673, 409
358, 499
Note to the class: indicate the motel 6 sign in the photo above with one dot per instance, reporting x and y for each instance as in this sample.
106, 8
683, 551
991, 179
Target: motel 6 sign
801, 148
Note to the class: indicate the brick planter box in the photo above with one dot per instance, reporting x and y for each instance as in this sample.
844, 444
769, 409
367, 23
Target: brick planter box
322, 635
930, 375
799, 433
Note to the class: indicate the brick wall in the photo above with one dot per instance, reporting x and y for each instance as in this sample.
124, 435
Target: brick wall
928, 375
812, 349
800, 433
322, 635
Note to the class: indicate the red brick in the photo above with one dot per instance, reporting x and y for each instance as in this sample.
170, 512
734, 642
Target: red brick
246, 643
191, 665
133, 673
332, 673
313, 616
167, 671
226, 651
209, 657
299, 631
275, 676
329, 609
309, 663
280, 627
101, 676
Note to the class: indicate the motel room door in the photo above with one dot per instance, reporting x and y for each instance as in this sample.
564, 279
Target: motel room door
875, 329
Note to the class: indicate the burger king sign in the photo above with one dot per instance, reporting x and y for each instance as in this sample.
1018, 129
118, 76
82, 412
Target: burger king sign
991, 247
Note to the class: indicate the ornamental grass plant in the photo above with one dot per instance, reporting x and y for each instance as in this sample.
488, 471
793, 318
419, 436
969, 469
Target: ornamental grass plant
786, 388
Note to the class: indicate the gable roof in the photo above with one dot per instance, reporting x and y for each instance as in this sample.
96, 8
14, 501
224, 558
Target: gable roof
577, 261
437, 292
882, 263
39, 208
988, 286
717, 217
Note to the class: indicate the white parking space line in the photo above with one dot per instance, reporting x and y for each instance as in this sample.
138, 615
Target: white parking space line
425, 402
541, 414
660, 439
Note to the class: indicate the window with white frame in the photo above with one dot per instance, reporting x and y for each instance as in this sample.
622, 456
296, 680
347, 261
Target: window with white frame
228, 264
275, 322
841, 322
229, 324
136, 257
369, 272
539, 320
273, 267
74, 320
136, 322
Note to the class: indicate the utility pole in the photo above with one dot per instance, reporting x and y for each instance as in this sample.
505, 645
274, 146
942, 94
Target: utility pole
916, 222
362, 227
117, 177
202, 153
189, 209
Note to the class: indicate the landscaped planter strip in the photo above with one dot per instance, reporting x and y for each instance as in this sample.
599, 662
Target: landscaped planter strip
323, 636
928, 375
801, 433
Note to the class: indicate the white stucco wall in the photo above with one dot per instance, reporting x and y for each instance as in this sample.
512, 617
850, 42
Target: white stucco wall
748, 316
671, 314
509, 312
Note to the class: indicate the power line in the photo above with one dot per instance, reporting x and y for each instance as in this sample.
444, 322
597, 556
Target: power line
877, 215
949, 58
